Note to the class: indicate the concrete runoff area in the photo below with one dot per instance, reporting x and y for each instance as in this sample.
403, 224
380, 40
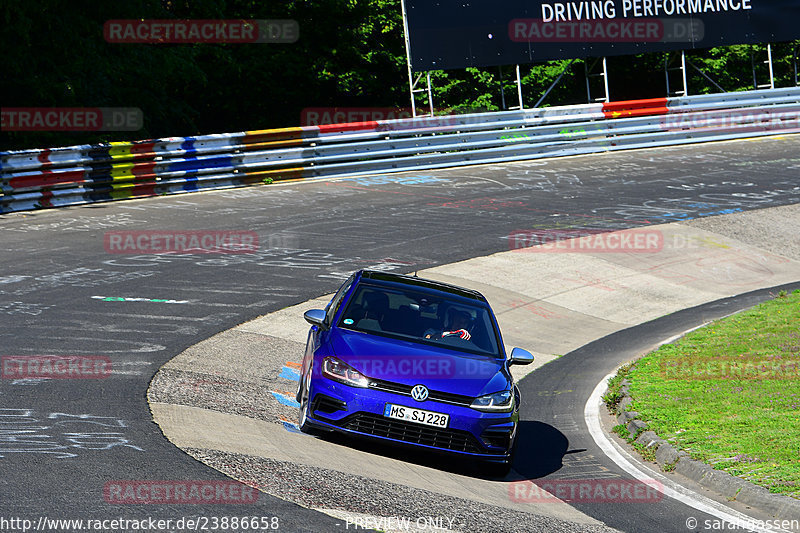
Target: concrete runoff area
549, 302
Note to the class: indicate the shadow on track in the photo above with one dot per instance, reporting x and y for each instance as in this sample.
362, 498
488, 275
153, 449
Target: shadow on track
540, 450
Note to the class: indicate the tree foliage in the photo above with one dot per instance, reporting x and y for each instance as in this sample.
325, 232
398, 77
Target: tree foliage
350, 53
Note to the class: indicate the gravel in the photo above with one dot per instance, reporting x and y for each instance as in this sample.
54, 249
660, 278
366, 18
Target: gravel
209, 391
331, 490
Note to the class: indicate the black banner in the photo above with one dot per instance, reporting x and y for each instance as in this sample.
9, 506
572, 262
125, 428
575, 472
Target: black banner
481, 33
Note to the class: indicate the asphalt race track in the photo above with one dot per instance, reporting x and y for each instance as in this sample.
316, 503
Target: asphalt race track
63, 293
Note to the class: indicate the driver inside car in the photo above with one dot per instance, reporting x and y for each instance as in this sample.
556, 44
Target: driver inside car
456, 325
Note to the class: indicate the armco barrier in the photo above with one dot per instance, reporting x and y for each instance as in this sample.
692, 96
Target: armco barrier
56, 177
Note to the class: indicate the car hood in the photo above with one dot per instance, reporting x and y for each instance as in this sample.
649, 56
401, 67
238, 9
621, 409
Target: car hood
410, 363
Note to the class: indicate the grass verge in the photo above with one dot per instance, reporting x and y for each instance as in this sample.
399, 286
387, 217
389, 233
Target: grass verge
729, 394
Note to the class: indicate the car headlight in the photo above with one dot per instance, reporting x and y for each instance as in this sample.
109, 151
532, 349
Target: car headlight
498, 402
343, 373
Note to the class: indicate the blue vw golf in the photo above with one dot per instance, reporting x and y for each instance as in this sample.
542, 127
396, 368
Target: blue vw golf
412, 361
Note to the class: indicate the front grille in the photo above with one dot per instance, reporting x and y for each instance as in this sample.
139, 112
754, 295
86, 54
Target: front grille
449, 439
439, 396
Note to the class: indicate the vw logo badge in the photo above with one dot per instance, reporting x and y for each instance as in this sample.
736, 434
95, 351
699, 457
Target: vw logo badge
419, 393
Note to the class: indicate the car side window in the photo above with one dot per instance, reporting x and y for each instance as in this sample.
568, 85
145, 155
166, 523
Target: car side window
336, 302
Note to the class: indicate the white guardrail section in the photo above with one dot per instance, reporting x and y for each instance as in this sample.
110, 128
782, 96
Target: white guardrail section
33, 179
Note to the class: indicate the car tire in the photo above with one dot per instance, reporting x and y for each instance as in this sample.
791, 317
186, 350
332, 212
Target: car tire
305, 406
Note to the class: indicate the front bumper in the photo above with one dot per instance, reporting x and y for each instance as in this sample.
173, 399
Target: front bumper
359, 412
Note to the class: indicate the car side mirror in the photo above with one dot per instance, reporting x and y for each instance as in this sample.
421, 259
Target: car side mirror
520, 357
315, 317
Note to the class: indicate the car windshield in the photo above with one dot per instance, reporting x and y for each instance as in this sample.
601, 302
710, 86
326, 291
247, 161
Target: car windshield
421, 317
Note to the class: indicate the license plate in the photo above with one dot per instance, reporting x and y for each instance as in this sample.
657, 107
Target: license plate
418, 416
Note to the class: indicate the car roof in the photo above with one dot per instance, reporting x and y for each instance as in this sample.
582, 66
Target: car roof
380, 276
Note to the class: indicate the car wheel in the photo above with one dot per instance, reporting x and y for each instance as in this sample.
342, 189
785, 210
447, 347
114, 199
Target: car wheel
305, 407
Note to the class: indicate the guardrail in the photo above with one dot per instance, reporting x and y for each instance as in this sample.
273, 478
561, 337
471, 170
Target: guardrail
33, 179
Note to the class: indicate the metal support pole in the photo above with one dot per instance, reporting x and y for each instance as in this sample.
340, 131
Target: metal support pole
683, 73
794, 60
586, 77
411, 90
769, 60
519, 89
771, 83
502, 92
414, 84
666, 73
604, 75
430, 93
408, 59
558, 79
706, 76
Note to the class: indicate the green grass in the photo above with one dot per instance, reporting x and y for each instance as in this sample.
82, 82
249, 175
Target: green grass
729, 394
613, 395
622, 431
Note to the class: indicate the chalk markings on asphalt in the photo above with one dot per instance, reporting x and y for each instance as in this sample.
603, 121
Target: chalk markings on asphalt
290, 371
285, 398
290, 425
127, 299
